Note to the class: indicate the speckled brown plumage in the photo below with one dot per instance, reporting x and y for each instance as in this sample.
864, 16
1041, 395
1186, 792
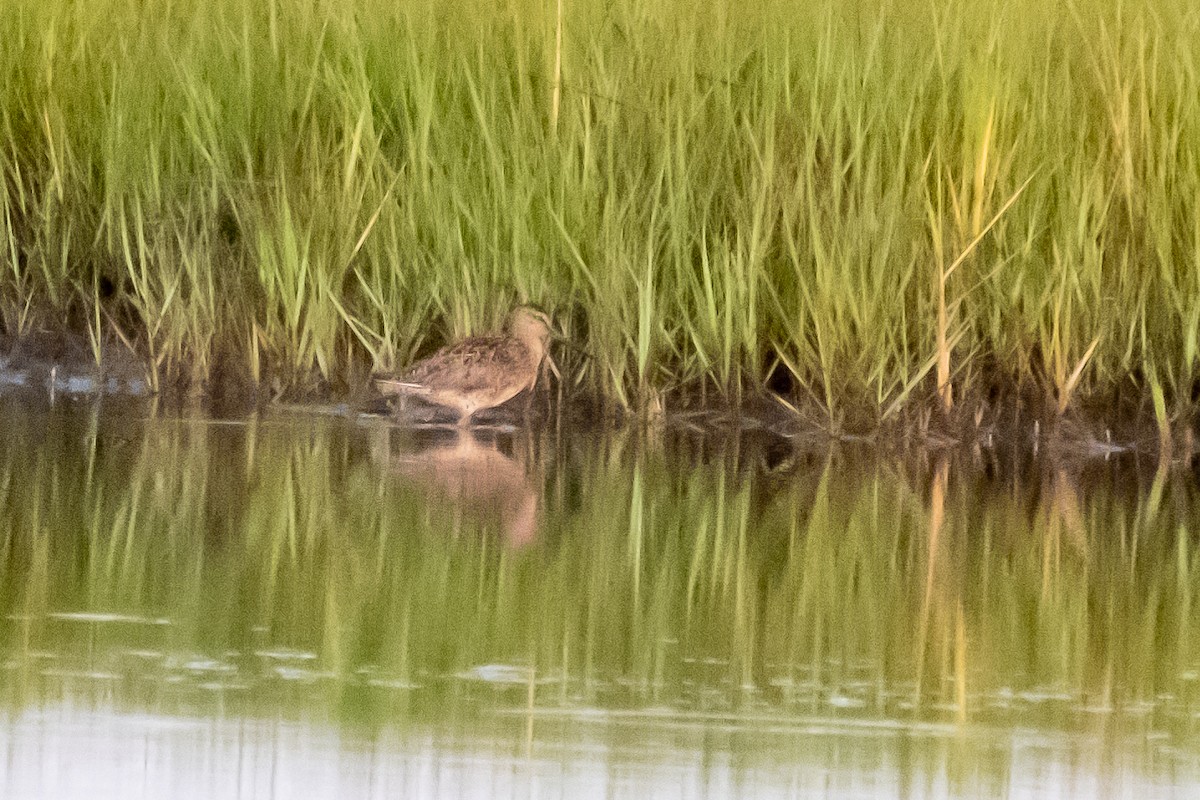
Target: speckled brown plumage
479, 372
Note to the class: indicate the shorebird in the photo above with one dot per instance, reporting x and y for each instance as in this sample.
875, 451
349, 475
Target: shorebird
481, 371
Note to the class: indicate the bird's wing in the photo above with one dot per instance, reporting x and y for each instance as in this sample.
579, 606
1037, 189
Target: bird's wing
470, 365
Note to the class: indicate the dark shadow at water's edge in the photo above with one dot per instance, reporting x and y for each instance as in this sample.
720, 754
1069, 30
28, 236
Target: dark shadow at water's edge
1001, 416
757, 454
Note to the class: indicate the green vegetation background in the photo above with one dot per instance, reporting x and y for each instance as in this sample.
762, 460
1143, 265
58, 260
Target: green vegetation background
702, 194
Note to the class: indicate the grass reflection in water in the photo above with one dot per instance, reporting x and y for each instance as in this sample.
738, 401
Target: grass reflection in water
345, 570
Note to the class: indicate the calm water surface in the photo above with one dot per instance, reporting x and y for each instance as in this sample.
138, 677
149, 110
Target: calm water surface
298, 605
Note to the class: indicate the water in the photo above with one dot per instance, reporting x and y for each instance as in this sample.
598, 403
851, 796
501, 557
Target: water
307, 605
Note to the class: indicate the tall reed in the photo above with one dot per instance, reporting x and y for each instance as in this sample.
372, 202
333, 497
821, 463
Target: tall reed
703, 194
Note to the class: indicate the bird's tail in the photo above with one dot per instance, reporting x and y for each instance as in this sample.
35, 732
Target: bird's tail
393, 386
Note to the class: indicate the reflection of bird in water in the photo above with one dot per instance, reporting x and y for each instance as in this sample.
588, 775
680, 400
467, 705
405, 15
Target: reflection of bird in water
479, 372
482, 481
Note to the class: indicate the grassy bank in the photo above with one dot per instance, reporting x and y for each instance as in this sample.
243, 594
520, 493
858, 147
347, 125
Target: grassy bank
864, 207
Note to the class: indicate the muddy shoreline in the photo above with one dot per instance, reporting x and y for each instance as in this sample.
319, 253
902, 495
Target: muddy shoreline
1009, 416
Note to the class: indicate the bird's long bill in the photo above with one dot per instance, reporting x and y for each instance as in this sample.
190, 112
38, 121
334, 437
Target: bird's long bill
552, 366
572, 345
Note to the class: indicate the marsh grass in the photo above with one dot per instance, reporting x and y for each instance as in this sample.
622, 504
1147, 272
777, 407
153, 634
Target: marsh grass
275, 563
883, 202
